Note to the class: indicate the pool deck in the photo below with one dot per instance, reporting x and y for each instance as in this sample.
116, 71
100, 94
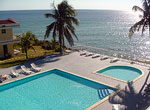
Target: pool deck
84, 66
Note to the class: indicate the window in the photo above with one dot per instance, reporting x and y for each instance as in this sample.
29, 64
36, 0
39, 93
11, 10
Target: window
3, 31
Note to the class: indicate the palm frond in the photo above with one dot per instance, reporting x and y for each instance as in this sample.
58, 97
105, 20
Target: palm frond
48, 15
135, 27
145, 5
137, 8
54, 32
68, 37
114, 100
48, 30
131, 88
72, 30
73, 19
31, 47
143, 28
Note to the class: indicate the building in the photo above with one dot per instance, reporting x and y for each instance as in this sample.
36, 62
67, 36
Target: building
6, 37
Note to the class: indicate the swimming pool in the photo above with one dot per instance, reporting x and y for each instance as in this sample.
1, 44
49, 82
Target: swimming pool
124, 73
51, 90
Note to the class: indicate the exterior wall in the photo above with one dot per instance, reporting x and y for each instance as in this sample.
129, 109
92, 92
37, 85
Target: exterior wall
8, 35
1, 51
10, 49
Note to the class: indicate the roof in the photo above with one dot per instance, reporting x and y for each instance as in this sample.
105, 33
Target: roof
8, 23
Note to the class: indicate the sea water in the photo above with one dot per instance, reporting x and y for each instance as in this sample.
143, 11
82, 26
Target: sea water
102, 29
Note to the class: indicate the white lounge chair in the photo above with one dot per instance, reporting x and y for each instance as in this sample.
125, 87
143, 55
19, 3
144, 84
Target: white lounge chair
148, 108
89, 54
104, 58
68, 51
25, 70
14, 73
96, 55
83, 53
34, 67
114, 60
115, 107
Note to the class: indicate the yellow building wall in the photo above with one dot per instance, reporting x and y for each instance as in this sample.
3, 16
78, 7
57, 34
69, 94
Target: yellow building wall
8, 35
1, 51
10, 49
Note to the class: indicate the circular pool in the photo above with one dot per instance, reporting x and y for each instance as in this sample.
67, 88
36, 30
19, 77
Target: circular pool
124, 73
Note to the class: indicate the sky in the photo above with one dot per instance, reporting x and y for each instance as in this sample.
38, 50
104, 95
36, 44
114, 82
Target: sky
125, 5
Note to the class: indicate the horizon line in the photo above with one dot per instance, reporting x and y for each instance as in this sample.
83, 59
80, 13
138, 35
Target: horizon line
75, 9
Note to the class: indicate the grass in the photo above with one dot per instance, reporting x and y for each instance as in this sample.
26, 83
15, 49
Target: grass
20, 59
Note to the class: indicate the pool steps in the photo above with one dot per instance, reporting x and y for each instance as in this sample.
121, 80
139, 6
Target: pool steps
102, 92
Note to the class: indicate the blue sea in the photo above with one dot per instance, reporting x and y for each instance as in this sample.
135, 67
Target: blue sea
101, 31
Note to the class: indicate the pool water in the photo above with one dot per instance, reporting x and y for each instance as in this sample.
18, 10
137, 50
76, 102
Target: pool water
124, 73
52, 90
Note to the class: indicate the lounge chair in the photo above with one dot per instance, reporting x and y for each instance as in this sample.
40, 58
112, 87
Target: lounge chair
104, 58
83, 53
114, 60
14, 73
96, 55
68, 51
34, 67
3, 77
148, 108
25, 70
89, 54
115, 107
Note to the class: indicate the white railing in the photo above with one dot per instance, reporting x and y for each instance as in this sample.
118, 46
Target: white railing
10, 41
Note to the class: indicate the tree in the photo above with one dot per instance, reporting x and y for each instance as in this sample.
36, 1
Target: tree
64, 18
144, 23
132, 100
25, 43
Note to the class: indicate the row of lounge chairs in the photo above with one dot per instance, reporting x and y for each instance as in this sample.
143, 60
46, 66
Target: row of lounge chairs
102, 57
24, 70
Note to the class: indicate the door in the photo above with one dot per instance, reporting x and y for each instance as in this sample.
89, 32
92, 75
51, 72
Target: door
5, 50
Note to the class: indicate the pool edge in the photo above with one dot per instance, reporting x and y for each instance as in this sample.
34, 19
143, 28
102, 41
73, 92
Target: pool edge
95, 72
89, 108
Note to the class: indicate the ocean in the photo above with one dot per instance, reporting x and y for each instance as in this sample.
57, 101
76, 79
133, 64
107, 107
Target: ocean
101, 31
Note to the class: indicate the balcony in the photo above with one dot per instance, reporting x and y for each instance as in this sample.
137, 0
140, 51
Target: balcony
10, 41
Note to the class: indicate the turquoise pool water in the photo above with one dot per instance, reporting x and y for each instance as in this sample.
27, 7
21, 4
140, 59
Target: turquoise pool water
121, 72
52, 90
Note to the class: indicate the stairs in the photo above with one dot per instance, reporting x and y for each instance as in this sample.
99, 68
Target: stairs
103, 92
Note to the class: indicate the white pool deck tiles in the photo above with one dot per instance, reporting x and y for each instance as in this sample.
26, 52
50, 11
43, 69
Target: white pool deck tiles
84, 66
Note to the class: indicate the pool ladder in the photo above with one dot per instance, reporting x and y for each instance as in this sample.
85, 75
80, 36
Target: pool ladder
103, 92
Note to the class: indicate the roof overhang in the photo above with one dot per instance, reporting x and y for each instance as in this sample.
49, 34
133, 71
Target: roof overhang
9, 26
9, 23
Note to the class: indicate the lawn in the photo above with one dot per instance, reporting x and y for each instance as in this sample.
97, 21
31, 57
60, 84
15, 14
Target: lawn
20, 59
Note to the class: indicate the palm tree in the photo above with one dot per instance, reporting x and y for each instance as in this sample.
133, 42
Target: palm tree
25, 43
64, 18
144, 23
132, 100
128, 98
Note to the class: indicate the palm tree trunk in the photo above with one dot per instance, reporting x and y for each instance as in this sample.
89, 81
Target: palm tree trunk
147, 77
60, 42
149, 28
26, 53
60, 39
